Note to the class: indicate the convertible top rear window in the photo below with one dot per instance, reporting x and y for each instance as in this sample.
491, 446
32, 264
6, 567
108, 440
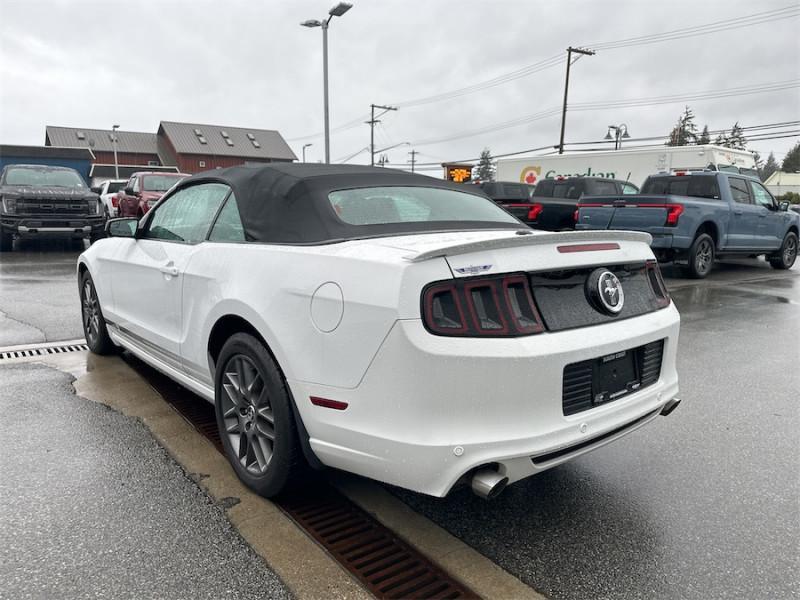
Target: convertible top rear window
385, 205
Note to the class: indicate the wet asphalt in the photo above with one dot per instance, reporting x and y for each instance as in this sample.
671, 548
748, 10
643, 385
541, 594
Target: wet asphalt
92, 507
704, 503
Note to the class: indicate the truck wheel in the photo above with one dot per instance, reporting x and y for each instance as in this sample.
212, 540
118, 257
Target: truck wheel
6, 241
701, 256
787, 254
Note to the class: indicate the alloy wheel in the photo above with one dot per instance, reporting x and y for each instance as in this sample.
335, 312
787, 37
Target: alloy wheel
247, 414
704, 256
91, 313
790, 251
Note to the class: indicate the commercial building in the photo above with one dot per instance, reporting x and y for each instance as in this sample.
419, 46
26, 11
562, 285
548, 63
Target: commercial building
80, 159
186, 147
781, 182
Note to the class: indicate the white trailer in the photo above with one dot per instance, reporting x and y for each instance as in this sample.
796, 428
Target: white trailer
629, 165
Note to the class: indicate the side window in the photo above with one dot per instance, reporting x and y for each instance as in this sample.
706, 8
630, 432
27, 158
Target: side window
228, 226
739, 190
629, 188
761, 196
135, 184
187, 214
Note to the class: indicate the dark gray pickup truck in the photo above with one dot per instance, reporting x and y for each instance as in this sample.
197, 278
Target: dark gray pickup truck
698, 216
37, 200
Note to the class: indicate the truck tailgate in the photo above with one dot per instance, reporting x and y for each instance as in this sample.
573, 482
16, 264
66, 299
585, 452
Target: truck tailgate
617, 212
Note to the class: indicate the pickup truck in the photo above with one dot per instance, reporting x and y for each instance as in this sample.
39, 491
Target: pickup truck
38, 200
695, 217
557, 199
143, 190
514, 197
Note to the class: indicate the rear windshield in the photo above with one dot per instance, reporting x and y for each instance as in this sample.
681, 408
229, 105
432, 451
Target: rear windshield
599, 187
160, 183
697, 186
389, 205
44, 178
115, 186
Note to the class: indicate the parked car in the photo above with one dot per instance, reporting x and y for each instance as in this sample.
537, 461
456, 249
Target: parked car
143, 190
108, 191
39, 201
697, 217
514, 197
558, 198
376, 321
795, 208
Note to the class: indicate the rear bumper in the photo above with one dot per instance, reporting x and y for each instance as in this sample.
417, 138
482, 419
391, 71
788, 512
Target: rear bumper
431, 410
55, 225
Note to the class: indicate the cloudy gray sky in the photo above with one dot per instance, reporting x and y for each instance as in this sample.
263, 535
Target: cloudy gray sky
248, 63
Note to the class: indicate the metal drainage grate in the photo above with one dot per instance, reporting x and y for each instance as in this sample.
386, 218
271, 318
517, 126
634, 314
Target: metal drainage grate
385, 565
41, 351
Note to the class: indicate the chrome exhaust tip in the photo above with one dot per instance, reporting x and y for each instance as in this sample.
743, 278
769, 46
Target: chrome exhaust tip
670, 406
488, 483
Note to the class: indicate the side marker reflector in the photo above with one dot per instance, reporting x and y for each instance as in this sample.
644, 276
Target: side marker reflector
325, 403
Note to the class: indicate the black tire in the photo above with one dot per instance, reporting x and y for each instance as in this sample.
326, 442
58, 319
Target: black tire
787, 254
94, 325
6, 241
255, 419
701, 256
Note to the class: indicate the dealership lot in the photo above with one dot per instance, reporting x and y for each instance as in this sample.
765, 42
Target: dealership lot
701, 504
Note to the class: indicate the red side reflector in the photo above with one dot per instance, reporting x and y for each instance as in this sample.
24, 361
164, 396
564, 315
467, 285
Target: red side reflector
325, 403
588, 247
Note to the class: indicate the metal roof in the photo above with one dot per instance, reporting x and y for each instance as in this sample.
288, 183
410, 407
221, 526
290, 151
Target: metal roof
135, 142
217, 140
45, 152
783, 178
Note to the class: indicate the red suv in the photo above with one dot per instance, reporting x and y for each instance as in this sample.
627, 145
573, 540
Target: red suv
143, 190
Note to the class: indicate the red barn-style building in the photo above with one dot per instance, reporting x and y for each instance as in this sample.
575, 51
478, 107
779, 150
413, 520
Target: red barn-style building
185, 147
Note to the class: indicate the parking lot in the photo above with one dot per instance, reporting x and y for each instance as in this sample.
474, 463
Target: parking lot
702, 505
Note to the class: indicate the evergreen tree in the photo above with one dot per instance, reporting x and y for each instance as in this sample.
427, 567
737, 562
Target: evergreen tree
736, 139
685, 131
769, 167
791, 162
722, 140
485, 169
704, 138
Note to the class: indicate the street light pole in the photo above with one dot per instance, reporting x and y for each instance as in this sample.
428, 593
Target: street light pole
620, 133
570, 50
304, 150
336, 11
114, 143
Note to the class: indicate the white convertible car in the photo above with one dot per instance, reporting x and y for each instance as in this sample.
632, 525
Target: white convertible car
396, 326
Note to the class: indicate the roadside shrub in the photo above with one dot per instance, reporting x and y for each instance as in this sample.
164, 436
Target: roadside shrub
790, 197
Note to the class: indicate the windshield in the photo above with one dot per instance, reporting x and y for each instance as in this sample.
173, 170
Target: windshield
160, 183
66, 178
697, 186
115, 186
385, 205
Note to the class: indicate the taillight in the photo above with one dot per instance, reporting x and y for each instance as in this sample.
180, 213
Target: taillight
575, 214
674, 211
115, 201
535, 211
657, 283
486, 307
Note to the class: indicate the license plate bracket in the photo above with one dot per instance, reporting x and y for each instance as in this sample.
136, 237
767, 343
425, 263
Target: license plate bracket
615, 375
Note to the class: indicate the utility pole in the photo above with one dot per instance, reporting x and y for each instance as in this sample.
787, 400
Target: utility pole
570, 50
372, 121
114, 142
413, 160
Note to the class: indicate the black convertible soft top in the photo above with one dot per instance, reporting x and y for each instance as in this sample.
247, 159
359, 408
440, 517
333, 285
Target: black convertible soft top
288, 202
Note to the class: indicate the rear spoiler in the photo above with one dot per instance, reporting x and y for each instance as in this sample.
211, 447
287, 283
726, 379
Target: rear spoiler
535, 239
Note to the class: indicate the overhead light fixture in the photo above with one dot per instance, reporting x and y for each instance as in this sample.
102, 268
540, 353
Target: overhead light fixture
311, 23
340, 9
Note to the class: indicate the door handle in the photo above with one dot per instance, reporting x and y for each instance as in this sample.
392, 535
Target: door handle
169, 269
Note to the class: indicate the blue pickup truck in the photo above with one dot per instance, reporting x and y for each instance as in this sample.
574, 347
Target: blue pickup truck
695, 217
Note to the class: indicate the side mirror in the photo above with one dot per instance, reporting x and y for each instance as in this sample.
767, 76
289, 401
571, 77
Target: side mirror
784, 206
129, 191
122, 227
